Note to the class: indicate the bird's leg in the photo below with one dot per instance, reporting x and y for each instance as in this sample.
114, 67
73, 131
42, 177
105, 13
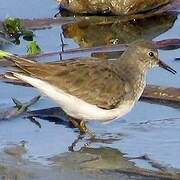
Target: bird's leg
80, 124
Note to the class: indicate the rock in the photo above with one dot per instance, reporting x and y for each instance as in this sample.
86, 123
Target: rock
113, 7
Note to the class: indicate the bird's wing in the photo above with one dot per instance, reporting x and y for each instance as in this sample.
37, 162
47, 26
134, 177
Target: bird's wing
95, 82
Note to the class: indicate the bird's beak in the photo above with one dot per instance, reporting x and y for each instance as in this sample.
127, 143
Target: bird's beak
165, 66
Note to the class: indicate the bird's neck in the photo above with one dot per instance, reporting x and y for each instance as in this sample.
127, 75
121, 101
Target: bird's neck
135, 74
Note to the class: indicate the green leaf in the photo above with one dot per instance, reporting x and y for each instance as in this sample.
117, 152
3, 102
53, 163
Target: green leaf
33, 48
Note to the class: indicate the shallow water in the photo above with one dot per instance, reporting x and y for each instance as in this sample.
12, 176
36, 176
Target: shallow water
158, 139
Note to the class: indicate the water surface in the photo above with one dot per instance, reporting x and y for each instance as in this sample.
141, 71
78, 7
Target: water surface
158, 139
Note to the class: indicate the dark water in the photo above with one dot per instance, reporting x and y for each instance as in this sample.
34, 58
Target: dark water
159, 139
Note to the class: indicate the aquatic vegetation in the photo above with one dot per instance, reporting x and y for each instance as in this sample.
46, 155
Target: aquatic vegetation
33, 48
14, 28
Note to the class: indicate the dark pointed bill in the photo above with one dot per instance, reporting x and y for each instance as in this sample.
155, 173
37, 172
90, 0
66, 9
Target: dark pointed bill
165, 66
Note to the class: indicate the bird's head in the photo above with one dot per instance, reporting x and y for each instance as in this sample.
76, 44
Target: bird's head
146, 55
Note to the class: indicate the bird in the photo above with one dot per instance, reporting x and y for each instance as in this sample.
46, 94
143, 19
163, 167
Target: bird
91, 90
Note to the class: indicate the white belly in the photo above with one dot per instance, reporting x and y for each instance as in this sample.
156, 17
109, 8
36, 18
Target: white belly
74, 106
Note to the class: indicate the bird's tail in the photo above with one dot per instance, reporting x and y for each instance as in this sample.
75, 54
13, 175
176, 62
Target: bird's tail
4, 54
17, 61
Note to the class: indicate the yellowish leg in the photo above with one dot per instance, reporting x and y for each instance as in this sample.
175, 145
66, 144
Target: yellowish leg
80, 124
82, 127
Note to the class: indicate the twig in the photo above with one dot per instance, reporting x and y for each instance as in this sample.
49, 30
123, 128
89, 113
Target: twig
62, 46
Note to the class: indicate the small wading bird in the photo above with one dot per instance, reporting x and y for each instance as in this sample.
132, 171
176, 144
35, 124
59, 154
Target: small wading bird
91, 90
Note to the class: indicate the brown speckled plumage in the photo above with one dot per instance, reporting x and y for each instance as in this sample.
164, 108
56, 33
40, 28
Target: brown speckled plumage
108, 84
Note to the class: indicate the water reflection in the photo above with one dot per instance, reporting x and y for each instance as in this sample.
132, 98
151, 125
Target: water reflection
95, 31
91, 163
110, 161
96, 158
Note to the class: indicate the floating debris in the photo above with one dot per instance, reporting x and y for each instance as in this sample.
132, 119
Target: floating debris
18, 109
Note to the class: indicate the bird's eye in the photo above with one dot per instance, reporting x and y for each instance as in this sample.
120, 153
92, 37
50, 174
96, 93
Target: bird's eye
151, 54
